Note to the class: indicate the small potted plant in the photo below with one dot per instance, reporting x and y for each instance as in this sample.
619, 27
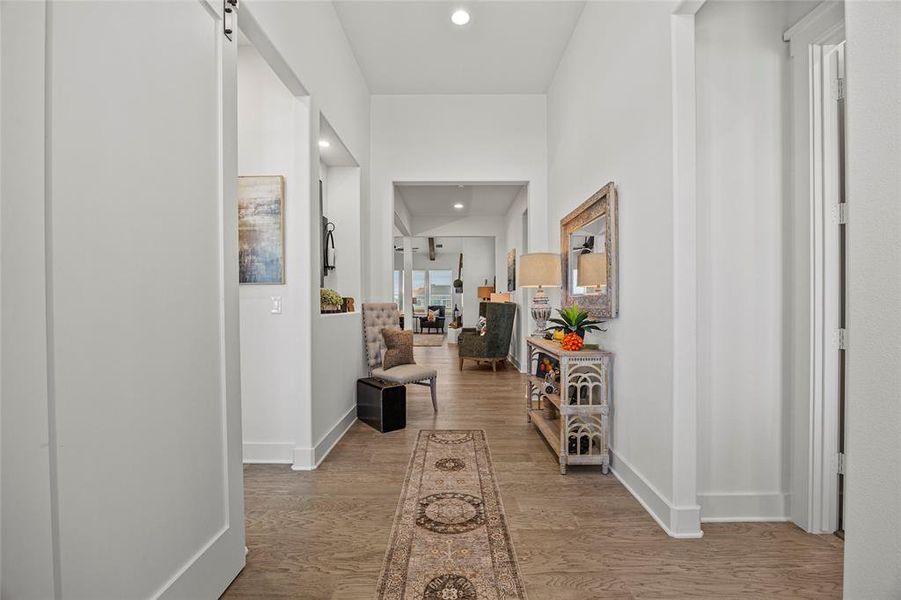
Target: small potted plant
575, 324
329, 300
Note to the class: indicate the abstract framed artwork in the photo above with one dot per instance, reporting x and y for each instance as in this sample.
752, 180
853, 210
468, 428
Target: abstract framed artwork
261, 229
511, 270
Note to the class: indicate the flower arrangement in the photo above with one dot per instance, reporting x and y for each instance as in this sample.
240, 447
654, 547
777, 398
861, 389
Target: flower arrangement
329, 297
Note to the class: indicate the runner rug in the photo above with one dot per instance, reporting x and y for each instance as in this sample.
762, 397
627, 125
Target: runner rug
450, 538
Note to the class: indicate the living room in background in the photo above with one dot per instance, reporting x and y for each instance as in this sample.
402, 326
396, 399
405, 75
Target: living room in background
440, 289
399, 289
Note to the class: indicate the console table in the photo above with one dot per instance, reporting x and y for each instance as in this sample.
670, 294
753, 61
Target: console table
574, 418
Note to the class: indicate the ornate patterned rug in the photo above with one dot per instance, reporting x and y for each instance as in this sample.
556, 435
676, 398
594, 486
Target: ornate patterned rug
450, 538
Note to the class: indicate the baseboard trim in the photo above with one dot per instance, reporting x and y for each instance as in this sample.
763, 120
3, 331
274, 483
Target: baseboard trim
512, 360
330, 439
307, 459
677, 522
268, 453
738, 507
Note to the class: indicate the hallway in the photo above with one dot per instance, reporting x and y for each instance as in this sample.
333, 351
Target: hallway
323, 534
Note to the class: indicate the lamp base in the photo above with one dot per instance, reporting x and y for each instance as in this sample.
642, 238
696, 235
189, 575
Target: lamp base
541, 311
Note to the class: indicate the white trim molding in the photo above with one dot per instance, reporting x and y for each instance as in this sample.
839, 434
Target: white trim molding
814, 486
268, 453
685, 522
677, 521
307, 459
744, 507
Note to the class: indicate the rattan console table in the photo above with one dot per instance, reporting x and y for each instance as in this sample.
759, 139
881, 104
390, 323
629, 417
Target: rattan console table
574, 418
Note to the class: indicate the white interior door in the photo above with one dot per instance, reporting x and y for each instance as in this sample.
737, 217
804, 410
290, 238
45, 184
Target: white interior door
142, 287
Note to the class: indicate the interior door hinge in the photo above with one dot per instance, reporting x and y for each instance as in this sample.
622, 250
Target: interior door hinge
840, 463
229, 18
839, 89
843, 213
842, 339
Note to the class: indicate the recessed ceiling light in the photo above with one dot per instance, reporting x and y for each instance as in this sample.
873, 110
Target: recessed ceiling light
460, 17
458, 205
460, 186
324, 143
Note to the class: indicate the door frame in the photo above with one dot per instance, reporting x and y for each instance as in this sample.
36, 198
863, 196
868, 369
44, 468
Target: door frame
815, 456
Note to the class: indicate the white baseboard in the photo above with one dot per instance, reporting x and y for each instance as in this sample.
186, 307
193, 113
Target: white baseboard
678, 522
268, 453
307, 459
512, 360
744, 507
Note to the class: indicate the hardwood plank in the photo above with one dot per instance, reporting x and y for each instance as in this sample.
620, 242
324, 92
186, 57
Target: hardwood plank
322, 534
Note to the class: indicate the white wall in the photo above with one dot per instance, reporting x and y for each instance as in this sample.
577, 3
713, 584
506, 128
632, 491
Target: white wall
337, 340
272, 126
743, 160
448, 139
308, 44
610, 119
513, 239
342, 207
873, 488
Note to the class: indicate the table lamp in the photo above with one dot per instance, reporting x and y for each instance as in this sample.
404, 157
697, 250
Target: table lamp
540, 270
484, 292
500, 297
592, 271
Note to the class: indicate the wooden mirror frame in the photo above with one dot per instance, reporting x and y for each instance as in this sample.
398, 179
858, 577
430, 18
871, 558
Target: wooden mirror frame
602, 202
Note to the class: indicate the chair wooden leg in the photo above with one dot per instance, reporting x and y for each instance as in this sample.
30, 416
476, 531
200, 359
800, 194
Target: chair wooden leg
494, 366
433, 384
461, 364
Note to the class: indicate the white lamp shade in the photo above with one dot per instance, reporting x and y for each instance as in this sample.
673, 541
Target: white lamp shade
592, 270
539, 269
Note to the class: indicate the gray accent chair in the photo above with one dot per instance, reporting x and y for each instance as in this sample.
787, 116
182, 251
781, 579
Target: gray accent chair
494, 346
376, 316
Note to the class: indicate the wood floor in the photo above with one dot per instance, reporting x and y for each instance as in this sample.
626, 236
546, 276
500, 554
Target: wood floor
323, 534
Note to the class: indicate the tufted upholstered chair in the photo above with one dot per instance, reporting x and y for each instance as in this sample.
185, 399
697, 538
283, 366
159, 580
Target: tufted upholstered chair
377, 315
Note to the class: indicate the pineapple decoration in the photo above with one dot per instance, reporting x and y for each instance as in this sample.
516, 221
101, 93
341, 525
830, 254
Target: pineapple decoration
574, 323
572, 342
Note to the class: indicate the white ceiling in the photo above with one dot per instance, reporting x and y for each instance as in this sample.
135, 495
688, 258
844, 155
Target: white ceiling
437, 200
509, 47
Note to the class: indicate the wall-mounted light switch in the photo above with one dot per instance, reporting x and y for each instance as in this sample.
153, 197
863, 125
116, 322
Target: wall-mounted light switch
276, 305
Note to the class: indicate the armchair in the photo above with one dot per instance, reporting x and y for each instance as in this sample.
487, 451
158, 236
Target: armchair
438, 323
494, 346
375, 317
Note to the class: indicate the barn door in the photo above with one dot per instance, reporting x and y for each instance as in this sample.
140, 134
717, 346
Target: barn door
142, 278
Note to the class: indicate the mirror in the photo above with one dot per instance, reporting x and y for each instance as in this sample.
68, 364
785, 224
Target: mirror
589, 254
587, 274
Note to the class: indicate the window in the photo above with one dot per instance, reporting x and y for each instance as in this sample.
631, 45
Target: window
399, 290
420, 298
440, 292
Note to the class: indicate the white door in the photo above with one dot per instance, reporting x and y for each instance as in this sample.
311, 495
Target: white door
142, 283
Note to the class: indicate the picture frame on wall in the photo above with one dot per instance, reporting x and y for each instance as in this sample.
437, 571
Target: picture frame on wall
511, 270
261, 230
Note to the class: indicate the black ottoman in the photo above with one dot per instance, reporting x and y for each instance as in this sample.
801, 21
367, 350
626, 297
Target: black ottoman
382, 404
